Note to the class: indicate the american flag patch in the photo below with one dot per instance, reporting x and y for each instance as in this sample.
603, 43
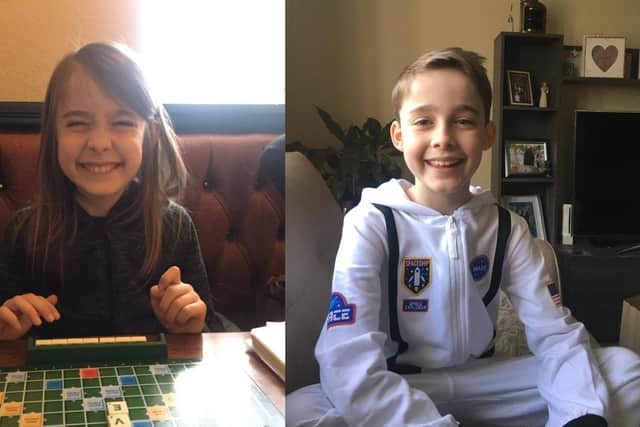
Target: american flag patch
555, 294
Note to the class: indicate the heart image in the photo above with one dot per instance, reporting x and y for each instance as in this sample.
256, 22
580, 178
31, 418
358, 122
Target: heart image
604, 58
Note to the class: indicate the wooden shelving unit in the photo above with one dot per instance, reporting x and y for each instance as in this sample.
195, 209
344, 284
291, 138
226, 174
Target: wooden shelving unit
541, 56
595, 280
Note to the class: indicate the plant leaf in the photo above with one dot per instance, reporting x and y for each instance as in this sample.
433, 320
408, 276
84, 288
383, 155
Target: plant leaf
366, 158
353, 135
332, 125
372, 127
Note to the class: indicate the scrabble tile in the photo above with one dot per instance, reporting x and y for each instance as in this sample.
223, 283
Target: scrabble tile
107, 339
119, 407
75, 341
119, 420
123, 339
40, 342
140, 338
94, 340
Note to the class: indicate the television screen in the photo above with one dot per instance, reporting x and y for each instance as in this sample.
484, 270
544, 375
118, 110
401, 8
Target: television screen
607, 175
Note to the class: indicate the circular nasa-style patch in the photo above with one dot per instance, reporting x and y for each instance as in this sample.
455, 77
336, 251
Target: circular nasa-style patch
479, 267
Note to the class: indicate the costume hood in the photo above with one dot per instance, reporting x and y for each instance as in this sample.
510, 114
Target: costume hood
393, 193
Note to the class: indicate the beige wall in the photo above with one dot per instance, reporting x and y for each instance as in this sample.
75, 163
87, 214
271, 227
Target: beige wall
345, 54
36, 34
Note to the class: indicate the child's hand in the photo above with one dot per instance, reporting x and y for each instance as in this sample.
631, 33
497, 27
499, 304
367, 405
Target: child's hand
20, 313
177, 306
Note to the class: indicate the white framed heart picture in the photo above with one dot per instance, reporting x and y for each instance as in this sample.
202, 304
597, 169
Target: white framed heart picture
603, 56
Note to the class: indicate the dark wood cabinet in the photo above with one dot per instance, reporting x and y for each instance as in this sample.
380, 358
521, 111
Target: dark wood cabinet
595, 280
541, 56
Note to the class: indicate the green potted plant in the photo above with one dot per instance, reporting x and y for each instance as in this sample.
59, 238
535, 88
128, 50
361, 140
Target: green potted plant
367, 158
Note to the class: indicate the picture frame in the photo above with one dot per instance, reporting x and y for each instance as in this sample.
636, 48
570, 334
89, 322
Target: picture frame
603, 56
526, 157
572, 62
530, 208
519, 83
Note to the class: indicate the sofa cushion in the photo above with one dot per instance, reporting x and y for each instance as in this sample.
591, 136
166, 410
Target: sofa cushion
240, 223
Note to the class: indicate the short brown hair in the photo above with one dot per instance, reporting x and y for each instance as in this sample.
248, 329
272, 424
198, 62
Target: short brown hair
469, 63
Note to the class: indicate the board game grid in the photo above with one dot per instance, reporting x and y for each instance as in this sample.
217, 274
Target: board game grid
79, 396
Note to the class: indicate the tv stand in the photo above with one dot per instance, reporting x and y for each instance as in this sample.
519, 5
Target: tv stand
595, 281
629, 249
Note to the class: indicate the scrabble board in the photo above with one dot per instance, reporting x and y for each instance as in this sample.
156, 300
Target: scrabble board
168, 393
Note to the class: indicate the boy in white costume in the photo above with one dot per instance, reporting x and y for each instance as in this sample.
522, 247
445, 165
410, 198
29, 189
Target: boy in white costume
413, 305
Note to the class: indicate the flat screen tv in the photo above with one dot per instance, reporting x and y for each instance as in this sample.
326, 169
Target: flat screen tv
607, 176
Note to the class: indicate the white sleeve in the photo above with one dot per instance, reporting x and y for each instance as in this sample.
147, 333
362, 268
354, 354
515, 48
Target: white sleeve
569, 378
353, 370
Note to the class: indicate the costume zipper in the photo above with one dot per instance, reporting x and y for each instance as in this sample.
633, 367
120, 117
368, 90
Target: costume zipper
453, 275
457, 289
452, 234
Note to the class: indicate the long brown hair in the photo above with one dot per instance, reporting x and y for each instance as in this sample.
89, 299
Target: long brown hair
52, 223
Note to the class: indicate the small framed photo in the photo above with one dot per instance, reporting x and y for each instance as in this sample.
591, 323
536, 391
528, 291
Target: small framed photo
604, 56
526, 158
530, 208
519, 87
572, 64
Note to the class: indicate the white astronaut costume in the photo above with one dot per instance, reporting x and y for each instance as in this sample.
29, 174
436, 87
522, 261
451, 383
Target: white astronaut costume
443, 328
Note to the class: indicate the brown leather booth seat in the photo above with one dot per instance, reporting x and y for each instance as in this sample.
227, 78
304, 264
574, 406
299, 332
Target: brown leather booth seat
240, 224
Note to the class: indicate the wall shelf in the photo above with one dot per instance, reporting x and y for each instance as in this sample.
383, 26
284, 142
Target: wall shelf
523, 108
601, 81
529, 179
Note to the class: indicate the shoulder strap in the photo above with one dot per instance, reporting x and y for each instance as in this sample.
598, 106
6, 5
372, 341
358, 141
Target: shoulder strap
392, 241
504, 230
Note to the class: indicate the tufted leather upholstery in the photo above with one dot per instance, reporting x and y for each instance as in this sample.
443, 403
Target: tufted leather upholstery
240, 224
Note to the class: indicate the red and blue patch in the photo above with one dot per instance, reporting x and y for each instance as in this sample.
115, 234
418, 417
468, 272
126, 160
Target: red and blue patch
340, 311
415, 305
554, 292
416, 273
479, 267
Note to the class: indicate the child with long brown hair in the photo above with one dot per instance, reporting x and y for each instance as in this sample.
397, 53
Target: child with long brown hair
104, 248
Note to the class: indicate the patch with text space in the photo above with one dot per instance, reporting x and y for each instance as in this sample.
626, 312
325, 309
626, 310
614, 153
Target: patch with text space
416, 273
479, 267
340, 311
415, 305
554, 291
